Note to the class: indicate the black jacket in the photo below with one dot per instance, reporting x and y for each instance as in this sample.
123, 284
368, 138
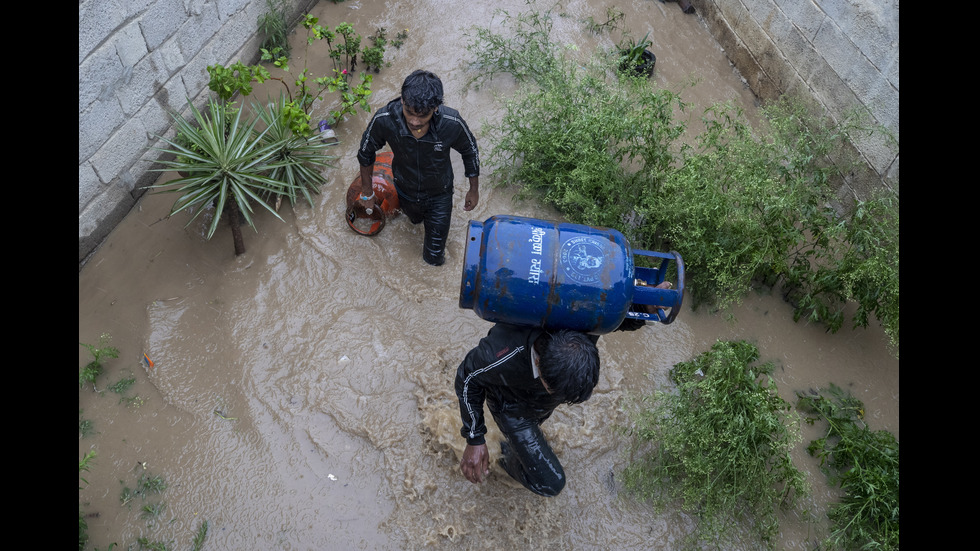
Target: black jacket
498, 371
420, 166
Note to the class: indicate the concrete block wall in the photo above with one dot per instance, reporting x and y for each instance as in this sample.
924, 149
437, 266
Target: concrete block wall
139, 61
836, 55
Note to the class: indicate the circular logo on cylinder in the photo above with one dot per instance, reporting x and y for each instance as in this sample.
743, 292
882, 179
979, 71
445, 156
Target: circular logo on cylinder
581, 258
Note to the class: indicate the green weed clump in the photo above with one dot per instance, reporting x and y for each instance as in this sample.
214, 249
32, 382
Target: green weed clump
746, 208
720, 446
864, 463
83, 465
272, 24
750, 207
94, 368
586, 143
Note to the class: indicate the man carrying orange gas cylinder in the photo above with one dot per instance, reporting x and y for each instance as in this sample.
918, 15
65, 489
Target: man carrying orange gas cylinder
420, 131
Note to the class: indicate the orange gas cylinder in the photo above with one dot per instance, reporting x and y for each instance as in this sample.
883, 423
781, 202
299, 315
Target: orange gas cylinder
385, 198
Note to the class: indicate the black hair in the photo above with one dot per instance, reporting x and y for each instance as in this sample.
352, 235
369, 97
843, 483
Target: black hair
569, 364
422, 91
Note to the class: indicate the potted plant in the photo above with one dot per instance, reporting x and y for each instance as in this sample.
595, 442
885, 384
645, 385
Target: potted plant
634, 57
227, 164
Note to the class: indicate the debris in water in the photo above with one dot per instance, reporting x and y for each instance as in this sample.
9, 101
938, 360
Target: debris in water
147, 361
222, 415
331, 477
344, 358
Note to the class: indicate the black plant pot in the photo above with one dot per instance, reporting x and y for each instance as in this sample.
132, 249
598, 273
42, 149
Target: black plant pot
644, 67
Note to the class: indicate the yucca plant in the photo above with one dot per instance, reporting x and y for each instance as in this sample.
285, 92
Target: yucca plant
227, 165
300, 155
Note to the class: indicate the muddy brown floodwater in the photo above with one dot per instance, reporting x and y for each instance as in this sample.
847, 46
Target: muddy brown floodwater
301, 396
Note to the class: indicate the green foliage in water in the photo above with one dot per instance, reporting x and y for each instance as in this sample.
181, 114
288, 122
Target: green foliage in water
720, 445
91, 371
586, 143
86, 427
146, 485
148, 545
200, 536
83, 465
745, 208
864, 463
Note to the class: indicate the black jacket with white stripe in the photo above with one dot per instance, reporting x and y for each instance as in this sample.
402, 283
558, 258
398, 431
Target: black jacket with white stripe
420, 166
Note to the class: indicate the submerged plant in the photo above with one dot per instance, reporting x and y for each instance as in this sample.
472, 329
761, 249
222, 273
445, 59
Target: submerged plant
146, 484
145, 543
588, 143
94, 368
83, 465
374, 56
864, 463
746, 208
631, 53
85, 426
200, 536
720, 445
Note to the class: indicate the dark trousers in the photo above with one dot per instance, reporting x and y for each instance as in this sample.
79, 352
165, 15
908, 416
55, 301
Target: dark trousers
528, 458
436, 212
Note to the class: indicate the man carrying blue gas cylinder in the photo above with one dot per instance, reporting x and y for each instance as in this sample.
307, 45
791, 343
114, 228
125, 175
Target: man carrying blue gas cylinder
522, 374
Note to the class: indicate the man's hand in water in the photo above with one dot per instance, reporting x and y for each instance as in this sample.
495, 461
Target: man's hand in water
475, 463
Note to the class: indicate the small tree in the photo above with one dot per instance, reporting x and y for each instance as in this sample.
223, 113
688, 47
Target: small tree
226, 166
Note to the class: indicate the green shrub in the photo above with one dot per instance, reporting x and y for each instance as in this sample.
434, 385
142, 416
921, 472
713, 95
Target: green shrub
586, 143
720, 445
745, 208
864, 463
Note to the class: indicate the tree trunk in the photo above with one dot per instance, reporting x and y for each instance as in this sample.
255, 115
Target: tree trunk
236, 228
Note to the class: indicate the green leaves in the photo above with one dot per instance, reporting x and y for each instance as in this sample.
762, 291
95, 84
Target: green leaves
237, 79
864, 463
92, 370
746, 208
721, 445
300, 156
228, 162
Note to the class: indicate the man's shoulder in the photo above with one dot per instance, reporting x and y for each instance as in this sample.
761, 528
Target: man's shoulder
389, 109
520, 331
450, 114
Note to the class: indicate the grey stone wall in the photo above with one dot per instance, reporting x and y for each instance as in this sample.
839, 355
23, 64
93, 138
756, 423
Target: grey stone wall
138, 61
836, 55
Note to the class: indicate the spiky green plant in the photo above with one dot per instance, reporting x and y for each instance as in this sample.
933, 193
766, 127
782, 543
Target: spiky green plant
300, 157
227, 167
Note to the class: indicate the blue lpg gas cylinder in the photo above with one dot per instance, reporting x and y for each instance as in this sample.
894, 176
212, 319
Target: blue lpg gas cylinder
534, 272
